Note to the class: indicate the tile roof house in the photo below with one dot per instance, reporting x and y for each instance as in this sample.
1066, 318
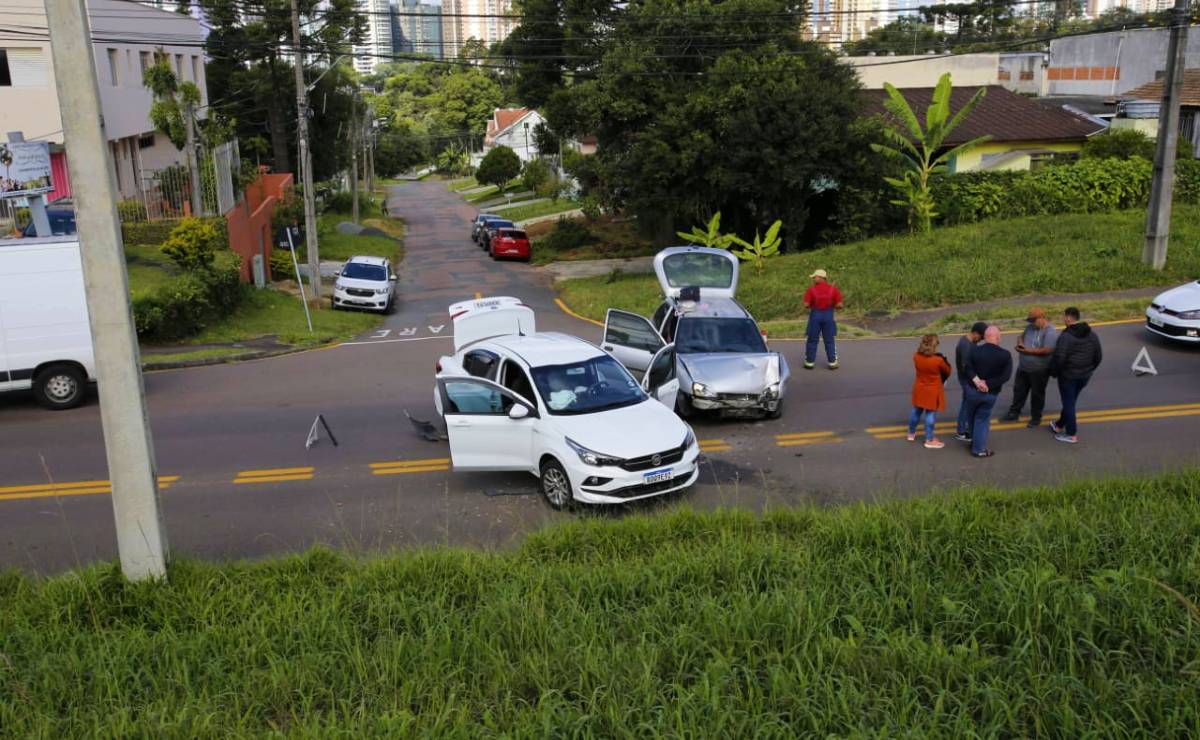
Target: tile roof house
1023, 131
1189, 105
513, 128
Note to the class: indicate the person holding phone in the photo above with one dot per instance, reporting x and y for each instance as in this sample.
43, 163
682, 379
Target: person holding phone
1034, 348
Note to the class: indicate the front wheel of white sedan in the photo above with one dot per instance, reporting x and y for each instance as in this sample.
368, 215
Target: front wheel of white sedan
556, 485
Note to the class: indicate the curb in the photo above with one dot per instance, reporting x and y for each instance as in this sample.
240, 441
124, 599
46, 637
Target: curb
230, 359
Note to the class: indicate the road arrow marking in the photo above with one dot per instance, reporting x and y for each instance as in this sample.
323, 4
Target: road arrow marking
437, 329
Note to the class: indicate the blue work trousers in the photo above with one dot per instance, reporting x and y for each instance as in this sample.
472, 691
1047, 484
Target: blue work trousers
979, 416
821, 325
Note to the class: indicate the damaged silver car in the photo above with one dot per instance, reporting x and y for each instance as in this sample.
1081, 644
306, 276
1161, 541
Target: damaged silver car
702, 335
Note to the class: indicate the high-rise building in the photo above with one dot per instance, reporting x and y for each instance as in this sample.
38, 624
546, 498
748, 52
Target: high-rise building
376, 48
418, 28
488, 21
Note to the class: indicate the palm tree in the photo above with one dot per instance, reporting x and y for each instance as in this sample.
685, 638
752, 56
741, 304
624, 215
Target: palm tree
918, 147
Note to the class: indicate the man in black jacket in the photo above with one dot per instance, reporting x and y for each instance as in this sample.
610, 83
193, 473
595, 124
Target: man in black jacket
1076, 356
966, 343
989, 367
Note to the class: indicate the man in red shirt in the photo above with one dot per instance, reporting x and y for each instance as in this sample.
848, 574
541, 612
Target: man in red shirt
821, 299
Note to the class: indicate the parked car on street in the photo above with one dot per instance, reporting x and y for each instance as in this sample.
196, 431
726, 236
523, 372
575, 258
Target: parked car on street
510, 244
45, 337
1175, 314
478, 223
559, 408
489, 228
61, 215
365, 282
721, 357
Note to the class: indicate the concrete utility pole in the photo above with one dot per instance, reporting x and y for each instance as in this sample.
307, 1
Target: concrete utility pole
37, 203
310, 208
189, 122
1162, 187
354, 156
141, 542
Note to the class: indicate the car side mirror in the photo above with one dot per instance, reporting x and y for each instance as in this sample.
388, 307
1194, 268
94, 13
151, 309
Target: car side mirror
518, 411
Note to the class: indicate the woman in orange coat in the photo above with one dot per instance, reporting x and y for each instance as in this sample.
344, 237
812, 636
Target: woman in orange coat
929, 392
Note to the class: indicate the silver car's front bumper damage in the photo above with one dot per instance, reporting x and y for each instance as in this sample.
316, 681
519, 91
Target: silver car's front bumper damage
739, 404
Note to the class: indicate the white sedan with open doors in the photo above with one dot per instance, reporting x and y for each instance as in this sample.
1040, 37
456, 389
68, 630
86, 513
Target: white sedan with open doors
556, 406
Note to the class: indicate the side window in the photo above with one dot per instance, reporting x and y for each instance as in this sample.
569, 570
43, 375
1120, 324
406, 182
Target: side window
481, 364
466, 397
668, 330
629, 330
660, 315
515, 379
662, 370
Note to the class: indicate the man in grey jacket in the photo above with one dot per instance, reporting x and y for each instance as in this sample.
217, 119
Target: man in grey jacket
1033, 367
1076, 356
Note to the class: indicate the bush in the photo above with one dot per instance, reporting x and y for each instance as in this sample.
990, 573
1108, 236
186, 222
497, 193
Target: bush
289, 211
535, 175
567, 235
1087, 186
498, 167
281, 265
190, 301
1119, 143
147, 232
131, 210
590, 207
194, 243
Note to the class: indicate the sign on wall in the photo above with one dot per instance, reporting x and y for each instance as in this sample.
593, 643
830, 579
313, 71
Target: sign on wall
24, 168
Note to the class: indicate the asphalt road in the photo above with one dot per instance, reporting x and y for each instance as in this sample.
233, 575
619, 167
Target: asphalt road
240, 483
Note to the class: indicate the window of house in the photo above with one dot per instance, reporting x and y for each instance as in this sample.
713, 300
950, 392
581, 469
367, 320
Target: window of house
196, 69
146, 61
146, 142
5, 74
179, 67
114, 66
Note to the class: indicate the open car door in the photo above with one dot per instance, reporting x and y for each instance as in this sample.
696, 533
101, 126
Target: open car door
488, 426
661, 380
713, 271
631, 339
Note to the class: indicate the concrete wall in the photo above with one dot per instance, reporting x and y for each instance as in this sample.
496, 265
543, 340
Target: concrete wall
924, 70
1112, 63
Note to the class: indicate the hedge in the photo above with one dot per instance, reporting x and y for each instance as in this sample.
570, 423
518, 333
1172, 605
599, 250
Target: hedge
1086, 186
147, 232
190, 301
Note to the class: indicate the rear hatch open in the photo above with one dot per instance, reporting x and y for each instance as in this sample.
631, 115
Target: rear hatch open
485, 318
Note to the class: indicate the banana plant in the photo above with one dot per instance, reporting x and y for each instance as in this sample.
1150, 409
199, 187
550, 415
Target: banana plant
710, 236
761, 248
922, 148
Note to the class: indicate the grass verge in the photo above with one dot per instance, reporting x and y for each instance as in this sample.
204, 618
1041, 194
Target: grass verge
465, 183
272, 313
533, 210
962, 264
335, 245
1051, 612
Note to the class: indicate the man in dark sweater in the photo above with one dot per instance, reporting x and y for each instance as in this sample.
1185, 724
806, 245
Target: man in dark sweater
1076, 356
988, 366
966, 343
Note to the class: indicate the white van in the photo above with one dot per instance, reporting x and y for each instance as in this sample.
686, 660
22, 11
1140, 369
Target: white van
45, 339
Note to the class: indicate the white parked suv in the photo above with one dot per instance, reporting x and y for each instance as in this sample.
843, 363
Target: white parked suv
365, 282
560, 408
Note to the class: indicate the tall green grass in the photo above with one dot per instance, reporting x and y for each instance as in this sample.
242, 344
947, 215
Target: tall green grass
1037, 255
1058, 612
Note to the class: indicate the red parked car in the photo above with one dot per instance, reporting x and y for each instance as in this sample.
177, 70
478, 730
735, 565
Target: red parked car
510, 243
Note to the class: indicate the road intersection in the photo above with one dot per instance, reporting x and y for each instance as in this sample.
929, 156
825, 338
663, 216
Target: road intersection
238, 481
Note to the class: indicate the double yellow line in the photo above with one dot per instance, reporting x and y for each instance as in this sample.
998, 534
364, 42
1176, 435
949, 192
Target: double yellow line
76, 488
273, 475
806, 438
404, 467
1099, 416
714, 445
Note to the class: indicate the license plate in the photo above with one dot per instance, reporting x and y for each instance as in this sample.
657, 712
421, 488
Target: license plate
657, 476
1155, 322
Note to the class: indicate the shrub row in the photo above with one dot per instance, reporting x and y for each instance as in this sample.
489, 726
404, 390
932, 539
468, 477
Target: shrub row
1086, 186
147, 232
189, 302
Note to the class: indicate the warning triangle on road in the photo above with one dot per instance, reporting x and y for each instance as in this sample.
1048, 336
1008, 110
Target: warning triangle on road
1143, 365
313, 434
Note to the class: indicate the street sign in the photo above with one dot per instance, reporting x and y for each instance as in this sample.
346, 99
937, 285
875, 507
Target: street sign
26, 168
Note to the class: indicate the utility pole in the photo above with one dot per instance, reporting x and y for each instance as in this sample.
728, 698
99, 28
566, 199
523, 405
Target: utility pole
310, 208
1162, 187
128, 446
354, 156
189, 123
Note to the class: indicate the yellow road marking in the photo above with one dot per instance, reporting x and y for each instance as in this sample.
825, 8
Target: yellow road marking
804, 435
566, 309
401, 467
714, 445
273, 475
74, 488
405, 471
1135, 413
824, 440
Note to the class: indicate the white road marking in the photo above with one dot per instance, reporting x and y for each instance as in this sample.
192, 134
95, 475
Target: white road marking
437, 329
382, 333
410, 331
390, 341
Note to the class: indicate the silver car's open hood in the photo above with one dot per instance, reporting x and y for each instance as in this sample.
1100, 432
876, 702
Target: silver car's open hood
734, 372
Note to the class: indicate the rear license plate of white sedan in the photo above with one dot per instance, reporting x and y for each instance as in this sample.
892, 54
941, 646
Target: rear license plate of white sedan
657, 476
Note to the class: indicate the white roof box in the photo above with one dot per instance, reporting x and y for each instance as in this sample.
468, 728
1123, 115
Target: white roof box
490, 317
713, 271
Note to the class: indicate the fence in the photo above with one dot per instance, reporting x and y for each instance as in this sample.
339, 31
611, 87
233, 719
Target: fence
13, 217
167, 193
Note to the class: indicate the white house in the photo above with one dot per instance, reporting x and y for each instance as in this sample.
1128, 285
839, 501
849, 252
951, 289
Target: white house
126, 37
514, 128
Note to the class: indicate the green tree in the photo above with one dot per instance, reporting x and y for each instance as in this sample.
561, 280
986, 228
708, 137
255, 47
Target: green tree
906, 35
173, 101
922, 148
498, 167
193, 244
534, 175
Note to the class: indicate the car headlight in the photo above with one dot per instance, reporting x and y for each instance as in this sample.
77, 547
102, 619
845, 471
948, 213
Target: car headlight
591, 457
339, 286
689, 440
773, 390
381, 291
701, 390
1189, 315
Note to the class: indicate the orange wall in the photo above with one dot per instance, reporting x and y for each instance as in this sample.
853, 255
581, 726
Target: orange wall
250, 220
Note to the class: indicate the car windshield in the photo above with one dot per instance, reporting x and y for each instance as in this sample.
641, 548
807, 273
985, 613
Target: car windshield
363, 271
718, 335
598, 384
